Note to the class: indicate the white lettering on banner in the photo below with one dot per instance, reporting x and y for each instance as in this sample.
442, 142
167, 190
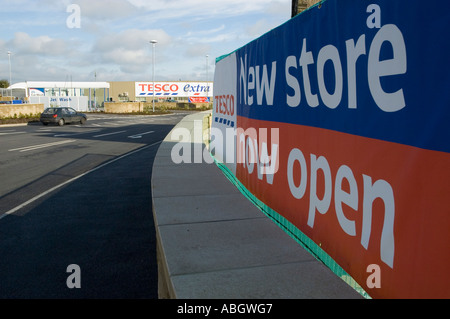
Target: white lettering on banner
353, 53
388, 102
323, 77
330, 53
251, 80
307, 58
294, 100
342, 197
179, 89
253, 149
372, 191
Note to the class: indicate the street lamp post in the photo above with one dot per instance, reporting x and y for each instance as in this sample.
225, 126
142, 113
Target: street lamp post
207, 87
153, 42
9, 59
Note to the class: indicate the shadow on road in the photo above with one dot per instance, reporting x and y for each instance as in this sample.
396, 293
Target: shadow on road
101, 222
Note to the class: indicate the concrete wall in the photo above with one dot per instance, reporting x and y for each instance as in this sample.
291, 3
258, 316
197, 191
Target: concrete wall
11, 110
122, 87
129, 107
187, 105
125, 107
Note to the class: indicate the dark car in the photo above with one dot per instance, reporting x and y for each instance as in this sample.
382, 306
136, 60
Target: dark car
62, 115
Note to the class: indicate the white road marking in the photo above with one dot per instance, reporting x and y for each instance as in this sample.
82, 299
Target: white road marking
11, 133
140, 135
79, 133
15, 209
106, 134
38, 146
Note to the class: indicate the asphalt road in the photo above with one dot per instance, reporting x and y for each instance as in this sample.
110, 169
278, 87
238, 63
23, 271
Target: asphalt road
79, 195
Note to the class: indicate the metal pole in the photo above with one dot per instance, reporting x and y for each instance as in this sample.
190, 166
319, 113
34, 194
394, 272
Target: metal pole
153, 42
9, 58
95, 96
207, 88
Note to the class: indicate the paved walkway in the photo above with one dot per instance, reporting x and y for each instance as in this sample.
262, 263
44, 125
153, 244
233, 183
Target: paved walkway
213, 243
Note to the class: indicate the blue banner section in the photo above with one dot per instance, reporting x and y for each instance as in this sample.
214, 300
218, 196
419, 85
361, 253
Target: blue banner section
378, 69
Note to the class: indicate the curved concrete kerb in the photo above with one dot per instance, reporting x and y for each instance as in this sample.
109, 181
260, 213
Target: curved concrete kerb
214, 243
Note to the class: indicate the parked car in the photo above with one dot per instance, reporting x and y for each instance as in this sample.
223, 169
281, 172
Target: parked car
61, 116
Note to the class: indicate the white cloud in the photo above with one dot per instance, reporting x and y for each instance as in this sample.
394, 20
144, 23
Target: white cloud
23, 43
124, 56
106, 9
132, 39
130, 49
195, 8
197, 50
257, 29
114, 36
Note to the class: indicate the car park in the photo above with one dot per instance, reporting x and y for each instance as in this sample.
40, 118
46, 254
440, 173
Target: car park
61, 116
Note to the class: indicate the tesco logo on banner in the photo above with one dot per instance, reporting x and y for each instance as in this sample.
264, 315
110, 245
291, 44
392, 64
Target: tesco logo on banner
165, 88
225, 104
179, 89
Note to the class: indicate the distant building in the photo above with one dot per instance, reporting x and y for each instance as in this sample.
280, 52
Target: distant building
82, 96
179, 91
88, 96
301, 5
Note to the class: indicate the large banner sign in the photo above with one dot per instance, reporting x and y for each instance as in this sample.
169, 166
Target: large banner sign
339, 120
174, 89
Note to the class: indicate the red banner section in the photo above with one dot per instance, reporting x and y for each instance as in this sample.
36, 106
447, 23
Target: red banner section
364, 201
341, 128
198, 99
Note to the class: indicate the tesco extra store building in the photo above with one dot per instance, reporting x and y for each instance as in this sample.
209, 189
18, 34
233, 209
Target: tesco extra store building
193, 92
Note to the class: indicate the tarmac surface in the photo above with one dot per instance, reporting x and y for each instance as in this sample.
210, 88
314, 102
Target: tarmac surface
79, 195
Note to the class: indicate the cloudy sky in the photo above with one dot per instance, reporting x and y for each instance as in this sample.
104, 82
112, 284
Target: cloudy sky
49, 41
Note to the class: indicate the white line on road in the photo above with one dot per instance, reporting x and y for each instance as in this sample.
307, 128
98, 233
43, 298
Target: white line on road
12, 133
35, 147
106, 134
140, 135
35, 198
79, 133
